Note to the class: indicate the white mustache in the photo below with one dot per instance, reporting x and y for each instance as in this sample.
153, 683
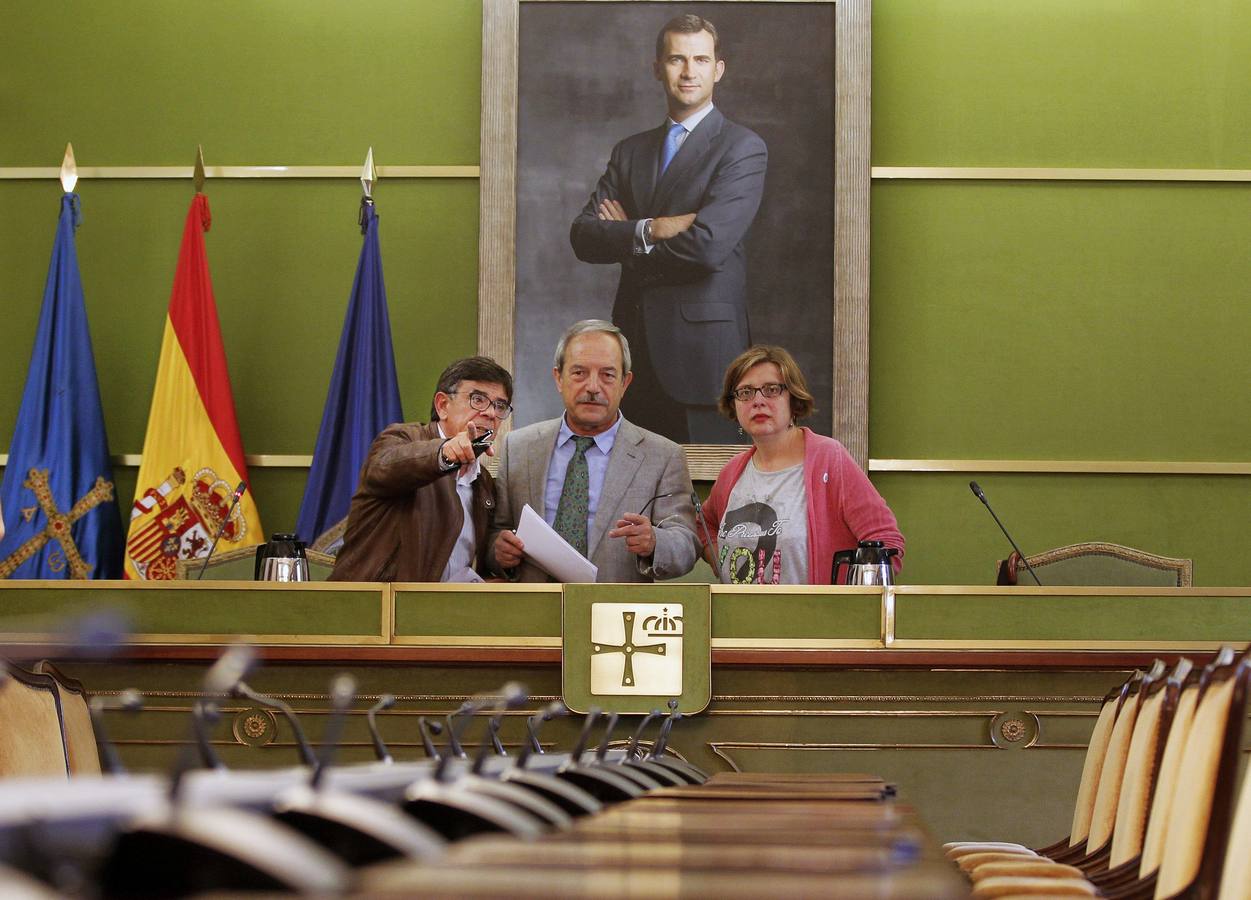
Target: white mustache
592, 398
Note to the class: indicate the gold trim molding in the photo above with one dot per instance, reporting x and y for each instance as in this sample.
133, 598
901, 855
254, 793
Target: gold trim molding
707, 460
470, 641
742, 643
1043, 645
1024, 173
254, 460
352, 172
1064, 466
912, 698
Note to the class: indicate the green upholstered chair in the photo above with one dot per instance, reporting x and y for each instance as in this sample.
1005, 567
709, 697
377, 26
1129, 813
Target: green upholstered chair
331, 540
1098, 563
240, 565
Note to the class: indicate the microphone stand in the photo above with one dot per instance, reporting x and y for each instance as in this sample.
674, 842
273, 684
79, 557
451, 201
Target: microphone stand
239, 489
977, 492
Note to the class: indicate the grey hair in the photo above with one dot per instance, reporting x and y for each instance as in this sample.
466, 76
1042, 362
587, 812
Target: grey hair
591, 326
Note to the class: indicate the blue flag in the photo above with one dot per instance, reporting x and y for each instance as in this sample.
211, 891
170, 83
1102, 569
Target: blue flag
364, 395
60, 510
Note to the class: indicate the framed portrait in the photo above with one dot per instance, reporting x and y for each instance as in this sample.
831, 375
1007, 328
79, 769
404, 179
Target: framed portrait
563, 81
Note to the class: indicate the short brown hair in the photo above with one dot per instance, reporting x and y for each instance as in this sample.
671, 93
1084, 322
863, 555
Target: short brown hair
801, 398
688, 24
472, 368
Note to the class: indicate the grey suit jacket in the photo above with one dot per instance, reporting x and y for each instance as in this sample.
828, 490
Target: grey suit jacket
641, 466
691, 290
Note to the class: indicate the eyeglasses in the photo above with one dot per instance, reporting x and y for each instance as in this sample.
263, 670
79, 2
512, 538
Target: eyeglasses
648, 504
768, 391
480, 402
694, 498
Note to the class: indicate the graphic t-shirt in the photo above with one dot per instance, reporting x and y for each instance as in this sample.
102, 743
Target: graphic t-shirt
763, 538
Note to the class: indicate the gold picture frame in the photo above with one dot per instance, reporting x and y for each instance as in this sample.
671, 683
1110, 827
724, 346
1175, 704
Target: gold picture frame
497, 260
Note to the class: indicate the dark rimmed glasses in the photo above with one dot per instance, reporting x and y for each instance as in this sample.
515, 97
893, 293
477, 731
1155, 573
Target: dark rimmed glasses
769, 391
481, 402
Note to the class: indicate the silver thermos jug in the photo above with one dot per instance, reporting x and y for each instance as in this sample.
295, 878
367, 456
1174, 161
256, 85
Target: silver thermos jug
282, 559
869, 563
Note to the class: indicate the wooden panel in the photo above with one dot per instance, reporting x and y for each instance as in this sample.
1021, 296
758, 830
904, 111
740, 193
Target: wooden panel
201, 612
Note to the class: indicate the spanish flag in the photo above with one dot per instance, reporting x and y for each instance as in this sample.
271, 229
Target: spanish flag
192, 453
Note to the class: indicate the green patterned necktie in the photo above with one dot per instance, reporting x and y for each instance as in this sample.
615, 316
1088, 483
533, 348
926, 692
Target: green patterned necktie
575, 497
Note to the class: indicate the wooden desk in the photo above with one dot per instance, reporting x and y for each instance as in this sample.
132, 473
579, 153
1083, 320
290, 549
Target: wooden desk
962, 694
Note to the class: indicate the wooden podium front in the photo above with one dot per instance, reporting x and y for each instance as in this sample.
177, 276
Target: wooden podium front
977, 701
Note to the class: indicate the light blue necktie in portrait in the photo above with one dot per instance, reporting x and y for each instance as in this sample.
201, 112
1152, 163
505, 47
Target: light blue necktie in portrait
671, 146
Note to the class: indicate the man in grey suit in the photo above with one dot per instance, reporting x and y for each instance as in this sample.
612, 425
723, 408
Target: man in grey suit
673, 208
594, 476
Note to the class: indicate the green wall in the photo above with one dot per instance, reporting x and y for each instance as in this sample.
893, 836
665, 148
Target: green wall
1010, 320
313, 82
1062, 320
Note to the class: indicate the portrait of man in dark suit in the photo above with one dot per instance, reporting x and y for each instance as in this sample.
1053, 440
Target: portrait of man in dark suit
741, 216
673, 208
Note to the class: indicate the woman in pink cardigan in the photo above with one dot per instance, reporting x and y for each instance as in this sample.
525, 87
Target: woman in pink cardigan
779, 511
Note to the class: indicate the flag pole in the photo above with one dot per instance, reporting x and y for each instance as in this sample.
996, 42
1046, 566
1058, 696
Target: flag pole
368, 175
197, 175
69, 170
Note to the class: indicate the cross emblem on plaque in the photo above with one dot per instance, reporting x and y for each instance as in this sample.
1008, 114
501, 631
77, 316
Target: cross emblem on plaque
628, 649
58, 527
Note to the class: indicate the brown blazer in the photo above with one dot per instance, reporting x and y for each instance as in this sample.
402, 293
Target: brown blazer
405, 514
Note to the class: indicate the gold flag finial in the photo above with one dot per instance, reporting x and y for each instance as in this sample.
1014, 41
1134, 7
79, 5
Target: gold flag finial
198, 175
368, 176
69, 170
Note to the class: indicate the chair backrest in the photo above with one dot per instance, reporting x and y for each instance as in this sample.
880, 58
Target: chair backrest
32, 742
240, 565
1236, 876
1155, 717
1198, 828
1115, 760
1099, 563
80, 738
1092, 768
1170, 771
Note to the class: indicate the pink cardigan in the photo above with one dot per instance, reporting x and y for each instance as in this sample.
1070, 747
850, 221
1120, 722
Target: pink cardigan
843, 506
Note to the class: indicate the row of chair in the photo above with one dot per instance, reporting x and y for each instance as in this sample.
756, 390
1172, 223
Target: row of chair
737, 835
1155, 815
310, 828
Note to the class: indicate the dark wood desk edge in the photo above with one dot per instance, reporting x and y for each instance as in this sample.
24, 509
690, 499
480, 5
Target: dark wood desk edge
511, 656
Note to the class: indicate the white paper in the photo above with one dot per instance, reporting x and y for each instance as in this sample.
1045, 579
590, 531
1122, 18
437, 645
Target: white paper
551, 552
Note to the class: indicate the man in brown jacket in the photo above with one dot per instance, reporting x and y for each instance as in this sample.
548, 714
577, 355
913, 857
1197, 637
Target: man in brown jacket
421, 508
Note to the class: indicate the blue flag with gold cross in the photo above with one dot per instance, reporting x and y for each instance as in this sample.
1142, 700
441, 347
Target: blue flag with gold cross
364, 395
60, 511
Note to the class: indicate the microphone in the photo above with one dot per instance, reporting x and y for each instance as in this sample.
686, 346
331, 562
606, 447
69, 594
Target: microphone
632, 751
221, 678
307, 757
386, 701
551, 711
234, 501
342, 694
427, 742
977, 492
129, 700
233, 665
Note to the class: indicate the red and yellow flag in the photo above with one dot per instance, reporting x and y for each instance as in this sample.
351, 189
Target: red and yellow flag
192, 453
